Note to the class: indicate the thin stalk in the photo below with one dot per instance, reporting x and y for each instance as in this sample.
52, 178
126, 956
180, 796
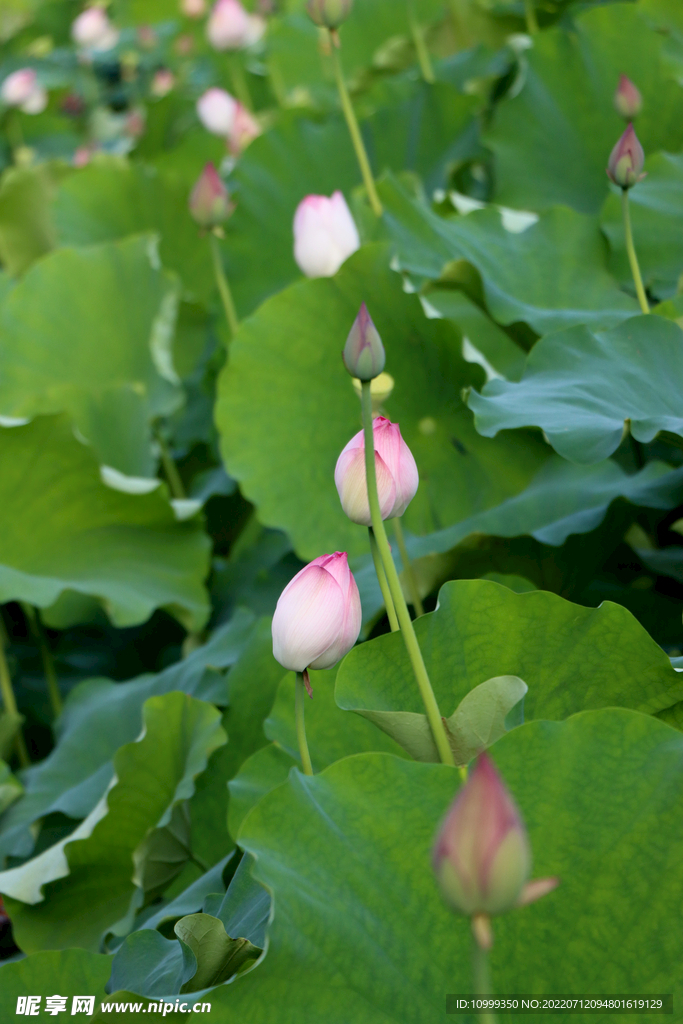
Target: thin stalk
299, 698
354, 129
223, 286
402, 613
239, 83
33, 616
408, 568
170, 468
417, 32
383, 583
277, 82
631, 250
482, 979
531, 19
9, 701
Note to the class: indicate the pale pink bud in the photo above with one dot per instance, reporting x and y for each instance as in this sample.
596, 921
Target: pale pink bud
318, 616
397, 476
216, 110
245, 128
627, 99
82, 156
163, 82
193, 8
626, 160
482, 856
230, 27
325, 234
21, 89
363, 354
92, 30
209, 200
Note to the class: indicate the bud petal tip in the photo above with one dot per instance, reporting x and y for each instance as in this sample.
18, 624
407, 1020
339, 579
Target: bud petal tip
209, 201
627, 99
364, 356
625, 166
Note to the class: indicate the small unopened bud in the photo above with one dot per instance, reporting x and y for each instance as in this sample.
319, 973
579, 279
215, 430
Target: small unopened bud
625, 166
627, 99
329, 13
482, 856
364, 356
210, 201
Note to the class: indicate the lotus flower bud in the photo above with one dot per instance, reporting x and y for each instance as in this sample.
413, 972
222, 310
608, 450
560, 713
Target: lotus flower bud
209, 200
626, 160
329, 13
364, 356
230, 27
627, 99
245, 128
162, 82
482, 856
92, 30
21, 89
325, 235
216, 110
193, 8
318, 616
397, 476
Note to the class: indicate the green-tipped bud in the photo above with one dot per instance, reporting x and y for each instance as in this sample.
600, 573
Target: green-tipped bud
329, 13
627, 99
364, 356
209, 200
625, 166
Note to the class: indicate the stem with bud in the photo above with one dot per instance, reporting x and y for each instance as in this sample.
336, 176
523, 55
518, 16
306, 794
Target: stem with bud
354, 129
408, 568
383, 582
631, 250
223, 286
418, 35
301, 724
402, 613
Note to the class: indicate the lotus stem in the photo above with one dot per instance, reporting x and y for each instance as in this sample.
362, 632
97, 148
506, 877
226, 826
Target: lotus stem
408, 569
631, 250
383, 582
223, 286
299, 698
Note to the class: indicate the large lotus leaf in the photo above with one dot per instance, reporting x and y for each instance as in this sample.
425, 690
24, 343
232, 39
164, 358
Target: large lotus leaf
76, 890
553, 138
581, 386
285, 369
111, 198
99, 717
245, 907
356, 907
63, 529
657, 219
89, 332
422, 128
551, 275
69, 972
571, 658
149, 964
331, 735
26, 229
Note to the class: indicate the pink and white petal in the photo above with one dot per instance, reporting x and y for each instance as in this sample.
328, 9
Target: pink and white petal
307, 619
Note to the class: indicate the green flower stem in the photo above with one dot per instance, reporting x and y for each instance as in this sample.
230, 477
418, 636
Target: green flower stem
418, 35
482, 979
402, 613
170, 468
408, 568
354, 129
299, 698
33, 616
239, 82
631, 250
531, 19
383, 583
9, 701
223, 286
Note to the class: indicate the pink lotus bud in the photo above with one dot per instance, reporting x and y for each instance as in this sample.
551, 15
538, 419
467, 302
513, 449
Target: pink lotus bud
482, 856
163, 82
21, 89
318, 616
82, 156
397, 476
216, 110
184, 45
230, 27
245, 128
329, 13
147, 37
364, 356
193, 8
92, 30
209, 200
325, 234
627, 99
626, 160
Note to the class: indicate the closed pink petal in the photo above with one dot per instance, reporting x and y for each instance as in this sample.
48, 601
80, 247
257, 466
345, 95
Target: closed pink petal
308, 618
338, 566
351, 483
399, 460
